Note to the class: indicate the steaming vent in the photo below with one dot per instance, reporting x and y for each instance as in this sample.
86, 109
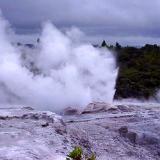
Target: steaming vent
60, 71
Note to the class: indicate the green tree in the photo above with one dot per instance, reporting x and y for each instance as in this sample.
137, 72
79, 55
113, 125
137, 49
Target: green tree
104, 44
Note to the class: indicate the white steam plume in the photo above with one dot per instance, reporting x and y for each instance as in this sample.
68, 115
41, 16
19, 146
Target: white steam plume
60, 72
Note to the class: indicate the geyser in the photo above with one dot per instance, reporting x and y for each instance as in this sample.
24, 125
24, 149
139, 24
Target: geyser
60, 72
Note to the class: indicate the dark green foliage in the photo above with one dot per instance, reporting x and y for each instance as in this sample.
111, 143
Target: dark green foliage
77, 154
104, 44
139, 71
118, 46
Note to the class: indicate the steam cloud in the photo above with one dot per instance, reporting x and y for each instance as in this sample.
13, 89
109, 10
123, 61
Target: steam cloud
60, 72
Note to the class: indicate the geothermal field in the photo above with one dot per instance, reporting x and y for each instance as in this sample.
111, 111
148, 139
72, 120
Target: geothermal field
64, 96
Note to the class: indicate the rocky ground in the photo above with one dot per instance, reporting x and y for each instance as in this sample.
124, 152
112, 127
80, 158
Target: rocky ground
121, 132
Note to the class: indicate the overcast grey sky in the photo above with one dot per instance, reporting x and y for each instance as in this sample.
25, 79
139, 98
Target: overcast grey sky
127, 21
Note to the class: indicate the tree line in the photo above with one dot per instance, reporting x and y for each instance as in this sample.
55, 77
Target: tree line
139, 70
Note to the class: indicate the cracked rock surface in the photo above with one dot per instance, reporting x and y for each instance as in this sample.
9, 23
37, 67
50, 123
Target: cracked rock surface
113, 132
31, 135
120, 132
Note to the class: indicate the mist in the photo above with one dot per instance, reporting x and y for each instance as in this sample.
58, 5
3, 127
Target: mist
61, 71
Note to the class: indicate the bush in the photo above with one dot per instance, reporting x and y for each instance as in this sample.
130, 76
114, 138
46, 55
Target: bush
77, 154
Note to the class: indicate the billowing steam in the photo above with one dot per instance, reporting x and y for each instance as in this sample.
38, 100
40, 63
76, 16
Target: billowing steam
60, 72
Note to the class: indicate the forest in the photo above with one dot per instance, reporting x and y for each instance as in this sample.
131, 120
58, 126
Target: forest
139, 70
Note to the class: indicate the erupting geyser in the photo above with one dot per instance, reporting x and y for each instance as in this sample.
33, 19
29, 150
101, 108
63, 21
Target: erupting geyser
60, 72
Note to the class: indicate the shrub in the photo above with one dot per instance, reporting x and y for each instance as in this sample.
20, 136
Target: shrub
77, 154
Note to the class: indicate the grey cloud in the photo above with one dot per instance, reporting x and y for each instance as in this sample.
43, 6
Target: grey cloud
95, 17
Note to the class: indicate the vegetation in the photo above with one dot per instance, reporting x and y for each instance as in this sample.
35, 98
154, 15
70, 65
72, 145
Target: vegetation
139, 71
77, 154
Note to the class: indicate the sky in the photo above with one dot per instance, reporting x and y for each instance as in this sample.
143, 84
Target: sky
129, 22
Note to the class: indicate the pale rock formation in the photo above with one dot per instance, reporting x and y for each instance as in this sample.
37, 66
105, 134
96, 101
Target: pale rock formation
113, 132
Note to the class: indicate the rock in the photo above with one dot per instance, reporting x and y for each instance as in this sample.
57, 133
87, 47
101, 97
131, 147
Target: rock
123, 131
132, 136
98, 107
129, 120
45, 124
147, 139
124, 108
71, 111
28, 108
39, 135
48, 116
27, 134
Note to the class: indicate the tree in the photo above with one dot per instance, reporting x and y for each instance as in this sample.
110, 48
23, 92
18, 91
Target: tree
118, 46
104, 44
